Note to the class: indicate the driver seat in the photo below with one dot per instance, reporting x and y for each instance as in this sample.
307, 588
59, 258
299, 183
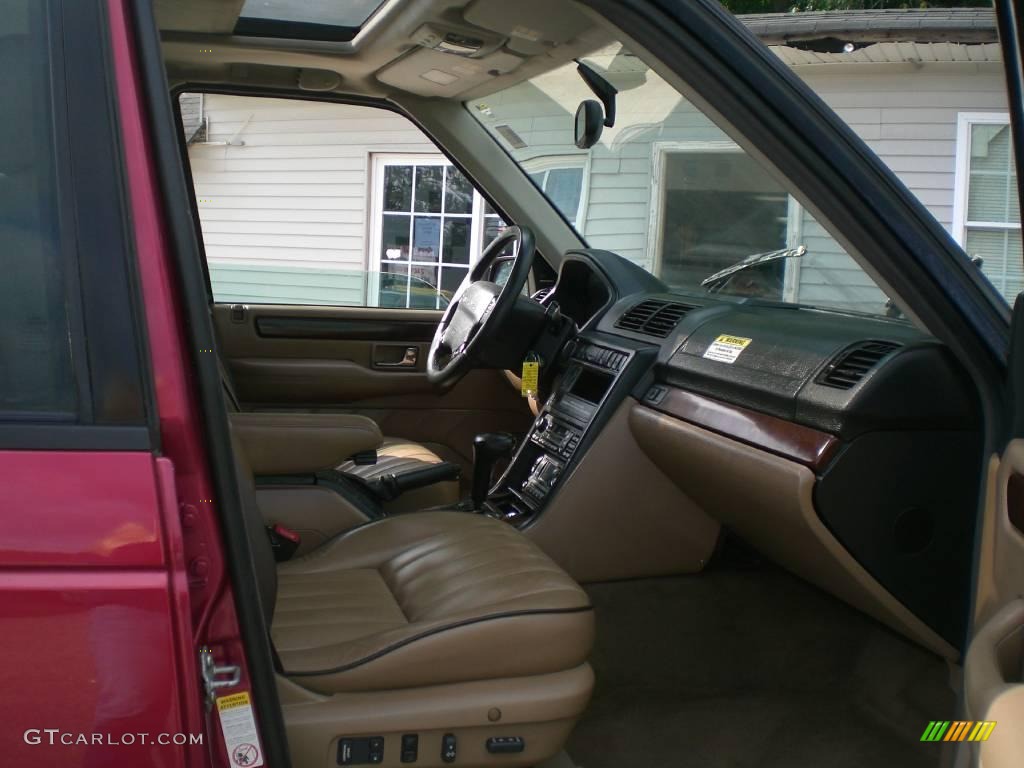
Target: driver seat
395, 455
435, 634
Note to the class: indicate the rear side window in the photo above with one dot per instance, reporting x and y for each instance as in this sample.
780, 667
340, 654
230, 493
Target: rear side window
36, 376
72, 350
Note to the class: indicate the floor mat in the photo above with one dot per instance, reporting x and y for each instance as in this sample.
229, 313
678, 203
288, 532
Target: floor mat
752, 667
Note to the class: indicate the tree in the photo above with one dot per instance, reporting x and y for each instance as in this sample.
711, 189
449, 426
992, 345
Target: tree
795, 6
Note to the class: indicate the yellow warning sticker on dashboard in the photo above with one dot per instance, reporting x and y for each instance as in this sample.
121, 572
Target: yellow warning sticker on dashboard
726, 348
531, 373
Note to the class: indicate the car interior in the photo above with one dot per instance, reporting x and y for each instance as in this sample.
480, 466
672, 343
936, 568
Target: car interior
703, 524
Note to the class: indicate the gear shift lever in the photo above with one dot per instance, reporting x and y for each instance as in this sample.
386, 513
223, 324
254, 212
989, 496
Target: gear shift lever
487, 449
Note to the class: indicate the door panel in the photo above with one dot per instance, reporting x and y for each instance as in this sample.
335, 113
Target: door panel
361, 360
994, 666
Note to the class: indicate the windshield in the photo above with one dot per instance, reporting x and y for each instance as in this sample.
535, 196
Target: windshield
667, 189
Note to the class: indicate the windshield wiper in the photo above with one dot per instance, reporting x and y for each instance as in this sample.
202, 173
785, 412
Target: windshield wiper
723, 275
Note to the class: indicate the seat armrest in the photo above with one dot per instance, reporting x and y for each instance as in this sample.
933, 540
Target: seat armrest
297, 443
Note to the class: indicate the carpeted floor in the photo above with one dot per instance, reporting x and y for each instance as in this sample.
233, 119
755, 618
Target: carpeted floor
752, 667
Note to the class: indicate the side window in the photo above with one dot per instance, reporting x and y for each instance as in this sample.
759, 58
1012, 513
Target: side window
70, 357
36, 378
328, 204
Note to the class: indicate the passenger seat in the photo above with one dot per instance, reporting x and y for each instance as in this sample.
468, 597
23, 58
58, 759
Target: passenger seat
432, 638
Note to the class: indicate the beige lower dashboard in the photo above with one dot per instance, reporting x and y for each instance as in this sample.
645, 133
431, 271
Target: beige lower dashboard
767, 500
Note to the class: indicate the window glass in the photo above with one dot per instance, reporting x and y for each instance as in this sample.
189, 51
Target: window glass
36, 377
719, 207
434, 232
561, 180
351, 13
669, 190
328, 204
988, 220
902, 75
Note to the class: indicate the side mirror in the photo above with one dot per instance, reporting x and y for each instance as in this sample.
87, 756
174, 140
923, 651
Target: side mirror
589, 123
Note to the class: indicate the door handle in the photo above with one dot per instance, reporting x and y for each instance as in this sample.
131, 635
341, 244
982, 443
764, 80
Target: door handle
409, 359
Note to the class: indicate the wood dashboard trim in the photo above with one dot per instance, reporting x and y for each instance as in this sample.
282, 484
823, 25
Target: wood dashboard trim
802, 444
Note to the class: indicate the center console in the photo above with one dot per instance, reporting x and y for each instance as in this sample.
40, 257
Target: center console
557, 437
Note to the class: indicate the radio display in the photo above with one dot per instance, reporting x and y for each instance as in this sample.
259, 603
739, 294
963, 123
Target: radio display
591, 385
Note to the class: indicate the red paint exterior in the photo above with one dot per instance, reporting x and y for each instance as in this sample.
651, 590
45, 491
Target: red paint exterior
112, 571
102, 513
204, 600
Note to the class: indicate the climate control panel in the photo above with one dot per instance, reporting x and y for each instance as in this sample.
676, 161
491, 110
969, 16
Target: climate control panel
556, 436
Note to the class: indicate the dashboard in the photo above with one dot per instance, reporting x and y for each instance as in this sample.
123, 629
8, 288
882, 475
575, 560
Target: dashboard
876, 419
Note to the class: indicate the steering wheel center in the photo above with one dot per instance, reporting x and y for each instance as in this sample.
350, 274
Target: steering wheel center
479, 308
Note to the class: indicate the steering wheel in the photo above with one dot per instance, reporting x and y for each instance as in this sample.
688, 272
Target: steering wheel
479, 309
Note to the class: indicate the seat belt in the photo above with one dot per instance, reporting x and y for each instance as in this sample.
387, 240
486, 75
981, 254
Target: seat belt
228, 385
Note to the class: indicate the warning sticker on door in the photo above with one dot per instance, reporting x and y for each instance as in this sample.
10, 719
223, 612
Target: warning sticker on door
726, 348
239, 728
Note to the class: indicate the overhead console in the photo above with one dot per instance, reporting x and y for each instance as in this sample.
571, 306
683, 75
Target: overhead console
487, 39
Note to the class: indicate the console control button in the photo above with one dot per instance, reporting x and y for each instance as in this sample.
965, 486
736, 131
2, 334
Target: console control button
655, 394
361, 751
410, 747
448, 748
504, 745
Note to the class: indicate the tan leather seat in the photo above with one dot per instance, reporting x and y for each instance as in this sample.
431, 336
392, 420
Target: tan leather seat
440, 624
424, 599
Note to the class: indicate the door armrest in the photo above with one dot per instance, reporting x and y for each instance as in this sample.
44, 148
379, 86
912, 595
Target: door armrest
295, 443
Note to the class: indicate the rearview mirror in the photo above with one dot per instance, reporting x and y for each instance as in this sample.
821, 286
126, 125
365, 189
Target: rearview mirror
589, 123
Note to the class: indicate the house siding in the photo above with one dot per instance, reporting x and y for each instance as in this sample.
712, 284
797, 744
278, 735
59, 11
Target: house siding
908, 117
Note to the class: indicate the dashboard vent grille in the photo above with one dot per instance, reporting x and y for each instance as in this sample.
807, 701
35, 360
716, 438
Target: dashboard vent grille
542, 294
854, 363
653, 317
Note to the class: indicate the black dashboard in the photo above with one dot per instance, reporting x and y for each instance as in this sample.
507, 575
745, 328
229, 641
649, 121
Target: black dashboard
879, 411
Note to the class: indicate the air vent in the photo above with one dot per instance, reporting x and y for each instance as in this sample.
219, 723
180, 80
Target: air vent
653, 317
854, 363
542, 294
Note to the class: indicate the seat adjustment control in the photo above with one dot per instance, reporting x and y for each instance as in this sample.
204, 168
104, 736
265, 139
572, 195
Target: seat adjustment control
505, 745
448, 748
410, 747
365, 751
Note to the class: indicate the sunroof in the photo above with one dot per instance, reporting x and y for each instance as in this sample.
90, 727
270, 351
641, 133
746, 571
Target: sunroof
335, 20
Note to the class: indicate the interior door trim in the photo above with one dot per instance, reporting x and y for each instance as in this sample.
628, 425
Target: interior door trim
291, 327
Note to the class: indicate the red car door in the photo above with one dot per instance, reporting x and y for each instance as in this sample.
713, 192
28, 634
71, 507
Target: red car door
113, 587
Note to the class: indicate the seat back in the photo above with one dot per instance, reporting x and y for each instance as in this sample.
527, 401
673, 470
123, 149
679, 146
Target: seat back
228, 386
255, 529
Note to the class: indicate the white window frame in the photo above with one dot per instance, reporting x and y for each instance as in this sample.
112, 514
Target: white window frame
378, 162
660, 151
962, 179
547, 163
